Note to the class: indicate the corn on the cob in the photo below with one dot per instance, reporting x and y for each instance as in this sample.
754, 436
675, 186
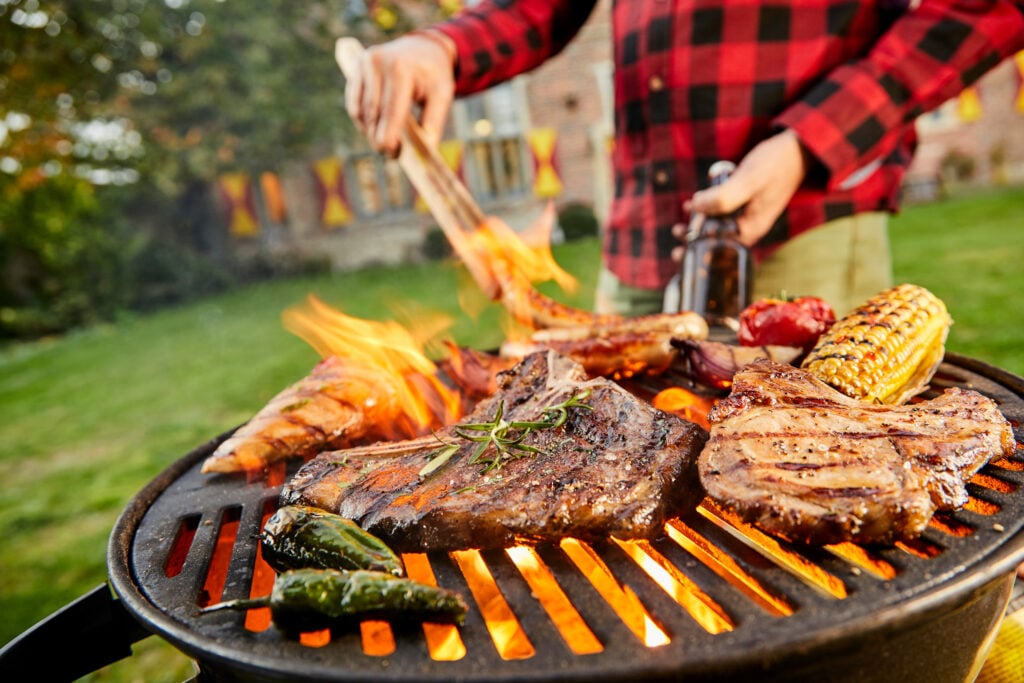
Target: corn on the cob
886, 350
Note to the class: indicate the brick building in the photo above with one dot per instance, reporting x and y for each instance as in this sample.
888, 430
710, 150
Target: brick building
569, 100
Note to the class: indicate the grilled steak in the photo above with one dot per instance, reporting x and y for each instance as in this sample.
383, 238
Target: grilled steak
616, 466
796, 457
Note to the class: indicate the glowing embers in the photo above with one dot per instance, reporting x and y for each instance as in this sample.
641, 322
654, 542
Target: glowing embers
723, 564
508, 635
948, 524
378, 638
443, 640
860, 557
175, 561
793, 562
685, 592
573, 629
993, 483
258, 619
1011, 464
685, 404
621, 598
981, 507
217, 573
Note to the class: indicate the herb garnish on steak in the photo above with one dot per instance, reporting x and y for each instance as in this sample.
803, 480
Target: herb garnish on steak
615, 467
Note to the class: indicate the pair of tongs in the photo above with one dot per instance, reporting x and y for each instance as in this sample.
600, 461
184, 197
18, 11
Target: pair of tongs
448, 199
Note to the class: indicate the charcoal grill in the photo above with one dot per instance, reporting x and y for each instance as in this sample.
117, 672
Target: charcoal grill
713, 599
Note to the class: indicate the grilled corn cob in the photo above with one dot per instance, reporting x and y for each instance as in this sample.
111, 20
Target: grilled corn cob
887, 349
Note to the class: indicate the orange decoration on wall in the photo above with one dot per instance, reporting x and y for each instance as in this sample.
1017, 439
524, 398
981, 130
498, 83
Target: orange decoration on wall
273, 197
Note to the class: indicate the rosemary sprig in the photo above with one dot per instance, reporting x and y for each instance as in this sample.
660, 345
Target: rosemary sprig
499, 441
439, 457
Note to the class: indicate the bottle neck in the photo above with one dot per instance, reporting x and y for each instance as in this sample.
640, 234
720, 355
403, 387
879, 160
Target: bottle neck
719, 226
719, 174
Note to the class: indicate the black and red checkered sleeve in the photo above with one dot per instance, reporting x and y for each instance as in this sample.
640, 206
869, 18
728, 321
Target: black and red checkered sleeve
856, 115
503, 38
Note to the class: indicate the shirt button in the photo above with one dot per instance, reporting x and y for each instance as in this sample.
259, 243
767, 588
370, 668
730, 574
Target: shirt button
661, 178
655, 83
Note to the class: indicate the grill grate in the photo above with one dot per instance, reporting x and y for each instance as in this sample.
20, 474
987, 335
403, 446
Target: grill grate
713, 594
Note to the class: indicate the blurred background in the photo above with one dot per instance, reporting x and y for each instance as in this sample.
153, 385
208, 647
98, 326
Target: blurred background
174, 174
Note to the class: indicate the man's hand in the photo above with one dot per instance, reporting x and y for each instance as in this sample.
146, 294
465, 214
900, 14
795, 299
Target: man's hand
391, 78
762, 184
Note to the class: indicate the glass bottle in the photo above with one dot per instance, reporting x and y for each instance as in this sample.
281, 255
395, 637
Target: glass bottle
717, 270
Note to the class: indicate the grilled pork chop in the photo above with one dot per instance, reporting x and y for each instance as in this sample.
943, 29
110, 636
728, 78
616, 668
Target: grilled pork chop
616, 466
794, 456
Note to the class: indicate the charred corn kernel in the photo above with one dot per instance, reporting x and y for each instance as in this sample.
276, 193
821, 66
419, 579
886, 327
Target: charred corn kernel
886, 350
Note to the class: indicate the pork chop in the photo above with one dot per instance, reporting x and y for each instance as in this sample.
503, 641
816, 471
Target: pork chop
616, 466
795, 457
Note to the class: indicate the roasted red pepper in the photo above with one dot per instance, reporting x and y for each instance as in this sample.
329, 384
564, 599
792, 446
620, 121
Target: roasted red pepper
785, 322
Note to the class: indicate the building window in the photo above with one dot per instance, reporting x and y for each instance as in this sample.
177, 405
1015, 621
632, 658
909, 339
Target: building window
493, 124
380, 185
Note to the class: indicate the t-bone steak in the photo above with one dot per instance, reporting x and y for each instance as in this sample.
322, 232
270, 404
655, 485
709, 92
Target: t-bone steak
616, 466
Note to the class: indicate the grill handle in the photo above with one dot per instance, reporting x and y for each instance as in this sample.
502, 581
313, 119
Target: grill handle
83, 636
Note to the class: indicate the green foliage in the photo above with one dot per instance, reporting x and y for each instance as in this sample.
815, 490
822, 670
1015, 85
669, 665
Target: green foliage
163, 97
577, 221
161, 273
59, 257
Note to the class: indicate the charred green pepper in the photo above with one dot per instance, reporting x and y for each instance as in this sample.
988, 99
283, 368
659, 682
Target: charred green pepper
309, 599
300, 537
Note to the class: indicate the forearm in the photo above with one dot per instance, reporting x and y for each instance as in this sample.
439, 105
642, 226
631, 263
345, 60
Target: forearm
858, 113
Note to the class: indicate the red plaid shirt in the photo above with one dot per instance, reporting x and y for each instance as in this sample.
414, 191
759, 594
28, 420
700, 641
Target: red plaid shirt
701, 80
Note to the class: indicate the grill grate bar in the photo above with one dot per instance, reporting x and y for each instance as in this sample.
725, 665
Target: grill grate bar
571, 626
620, 598
508, 635
795, 563
698, 604
862, 558
726, 567
443, 640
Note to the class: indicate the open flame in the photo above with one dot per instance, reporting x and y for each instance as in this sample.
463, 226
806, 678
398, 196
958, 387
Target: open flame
392, 377
504, 264
685, 404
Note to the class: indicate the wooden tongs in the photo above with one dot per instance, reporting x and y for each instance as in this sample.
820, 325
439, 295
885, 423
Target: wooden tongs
448, 199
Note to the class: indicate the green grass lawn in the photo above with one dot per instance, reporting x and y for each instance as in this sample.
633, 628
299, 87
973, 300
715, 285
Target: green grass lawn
88, 419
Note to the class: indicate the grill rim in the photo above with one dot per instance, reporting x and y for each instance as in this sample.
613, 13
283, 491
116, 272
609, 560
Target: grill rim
907, 612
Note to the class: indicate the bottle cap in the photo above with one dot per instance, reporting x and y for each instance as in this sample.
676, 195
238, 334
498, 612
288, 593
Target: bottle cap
720, 171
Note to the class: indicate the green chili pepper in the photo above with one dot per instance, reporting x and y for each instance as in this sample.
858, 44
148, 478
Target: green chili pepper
299, 537
308, 599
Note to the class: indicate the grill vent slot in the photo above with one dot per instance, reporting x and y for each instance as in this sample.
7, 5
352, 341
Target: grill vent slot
181, 545
220, 559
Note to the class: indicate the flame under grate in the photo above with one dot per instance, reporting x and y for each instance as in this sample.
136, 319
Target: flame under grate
510, 639
711, 582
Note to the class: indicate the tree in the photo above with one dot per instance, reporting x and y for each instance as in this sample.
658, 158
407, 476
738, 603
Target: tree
159, 97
